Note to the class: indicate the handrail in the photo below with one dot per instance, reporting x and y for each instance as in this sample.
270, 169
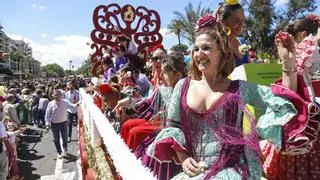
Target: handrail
128, 166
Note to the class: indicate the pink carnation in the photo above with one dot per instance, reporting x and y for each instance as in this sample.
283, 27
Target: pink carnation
205, 21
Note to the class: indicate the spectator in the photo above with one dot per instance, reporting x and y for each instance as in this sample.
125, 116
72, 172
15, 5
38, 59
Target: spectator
56, 117
120, 59
43, 103
11, 111
3, 153
72, 96
108, 69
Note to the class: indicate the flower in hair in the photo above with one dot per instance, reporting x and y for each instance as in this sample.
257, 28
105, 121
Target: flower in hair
314, 18
232, 2
244, 48
205, 21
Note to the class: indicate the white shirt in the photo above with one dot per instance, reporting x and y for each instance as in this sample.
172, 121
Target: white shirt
132, 48
43, 103
72, 97
12, 136
57, 111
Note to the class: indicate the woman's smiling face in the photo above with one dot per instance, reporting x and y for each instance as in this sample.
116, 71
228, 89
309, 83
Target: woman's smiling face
236, 22
206, 54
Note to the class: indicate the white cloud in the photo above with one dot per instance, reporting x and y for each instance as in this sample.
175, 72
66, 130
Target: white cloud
39, 7
281, 2
169, 39
61, 51
164, 32
43, 35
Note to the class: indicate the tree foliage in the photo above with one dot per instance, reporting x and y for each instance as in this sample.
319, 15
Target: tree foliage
259, 22
179, 48
5, 70
17, 58
189, 19
295, 9
264, 21
176, 27
85, 68
54, 70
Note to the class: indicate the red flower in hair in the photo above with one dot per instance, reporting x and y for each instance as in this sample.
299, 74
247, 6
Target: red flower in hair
205, 21
314, 18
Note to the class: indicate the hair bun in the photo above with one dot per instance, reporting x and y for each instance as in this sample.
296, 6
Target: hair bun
314, 18
232, 2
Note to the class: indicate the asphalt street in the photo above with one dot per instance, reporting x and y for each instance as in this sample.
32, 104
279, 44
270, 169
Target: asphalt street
37, 156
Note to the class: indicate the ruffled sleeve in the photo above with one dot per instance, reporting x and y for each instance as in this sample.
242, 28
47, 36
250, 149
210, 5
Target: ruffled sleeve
302, 131
170, 139
273, 111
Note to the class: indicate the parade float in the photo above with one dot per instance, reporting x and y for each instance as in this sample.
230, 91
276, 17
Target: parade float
104, 154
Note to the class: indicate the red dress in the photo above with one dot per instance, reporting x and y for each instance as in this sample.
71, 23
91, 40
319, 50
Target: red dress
304, 134
134, 131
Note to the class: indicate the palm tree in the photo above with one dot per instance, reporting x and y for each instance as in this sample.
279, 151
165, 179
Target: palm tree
176, 27
17, 59
189, 20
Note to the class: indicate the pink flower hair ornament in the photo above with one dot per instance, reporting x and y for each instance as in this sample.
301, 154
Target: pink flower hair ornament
205, 21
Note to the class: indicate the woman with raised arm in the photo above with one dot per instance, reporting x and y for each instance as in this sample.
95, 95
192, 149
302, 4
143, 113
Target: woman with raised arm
204, 131
300, 157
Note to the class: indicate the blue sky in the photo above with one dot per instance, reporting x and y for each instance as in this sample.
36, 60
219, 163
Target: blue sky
58, 30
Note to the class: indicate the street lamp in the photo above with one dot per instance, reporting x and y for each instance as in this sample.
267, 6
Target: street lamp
70, 66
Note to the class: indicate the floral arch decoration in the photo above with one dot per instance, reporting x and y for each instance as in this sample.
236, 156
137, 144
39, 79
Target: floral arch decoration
140, 24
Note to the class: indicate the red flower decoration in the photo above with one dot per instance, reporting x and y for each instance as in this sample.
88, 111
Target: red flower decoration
252, 54
282, 35
205, 21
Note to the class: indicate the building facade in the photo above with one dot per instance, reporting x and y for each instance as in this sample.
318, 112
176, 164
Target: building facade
20, 61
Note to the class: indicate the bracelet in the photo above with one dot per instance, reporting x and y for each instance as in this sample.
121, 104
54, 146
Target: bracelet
291, 70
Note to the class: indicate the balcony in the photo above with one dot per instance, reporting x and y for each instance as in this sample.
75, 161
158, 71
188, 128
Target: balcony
13, 48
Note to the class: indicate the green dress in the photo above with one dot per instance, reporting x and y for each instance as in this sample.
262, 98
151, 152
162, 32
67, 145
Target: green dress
216, 136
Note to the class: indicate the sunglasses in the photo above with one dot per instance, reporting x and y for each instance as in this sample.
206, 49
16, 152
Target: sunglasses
90, 92
156, 59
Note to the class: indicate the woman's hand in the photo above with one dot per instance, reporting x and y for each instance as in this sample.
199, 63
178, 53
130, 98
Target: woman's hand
155, 119
123, 102
287, 52
191, 167
286, 47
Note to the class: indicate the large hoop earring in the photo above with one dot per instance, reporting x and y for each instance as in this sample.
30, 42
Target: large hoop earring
227, 30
